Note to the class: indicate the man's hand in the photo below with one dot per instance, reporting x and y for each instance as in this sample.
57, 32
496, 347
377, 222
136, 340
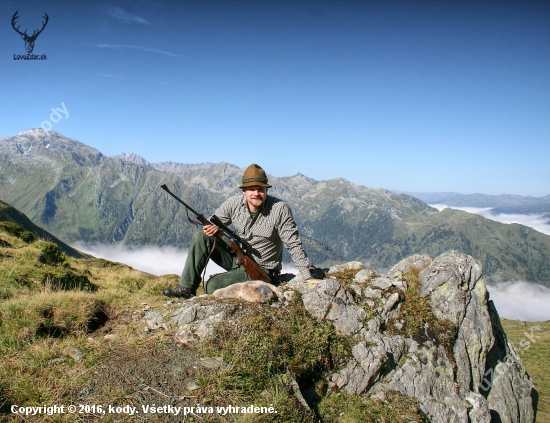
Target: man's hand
314, 281
210, 230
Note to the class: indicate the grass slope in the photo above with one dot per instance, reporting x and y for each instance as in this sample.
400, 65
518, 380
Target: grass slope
65, 343
532, 340
11, 215
52, 309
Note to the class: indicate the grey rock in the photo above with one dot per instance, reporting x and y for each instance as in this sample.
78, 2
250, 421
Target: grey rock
184, 315
352, 265
357, 289
361, 370
416, 260
75, 353
479, 411
206, 328
380, 396
381, 283
332, 289
374, 325
289, 379
316, 304
299, 285
202, 326
479, 378
347, 326
342, 310
372, 337
447, 385
213, 362
400, 284
372, 293
510, 389
326, 295
391, 302
289, 295
154, 320
364, 275
192, 386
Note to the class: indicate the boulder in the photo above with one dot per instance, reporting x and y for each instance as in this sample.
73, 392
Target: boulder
459, 366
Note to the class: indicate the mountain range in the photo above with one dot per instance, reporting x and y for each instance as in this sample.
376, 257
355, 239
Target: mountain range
514, 203
78, 194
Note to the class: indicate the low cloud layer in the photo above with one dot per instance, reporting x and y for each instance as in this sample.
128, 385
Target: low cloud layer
535, 221
155, 260
518, 300
514, 300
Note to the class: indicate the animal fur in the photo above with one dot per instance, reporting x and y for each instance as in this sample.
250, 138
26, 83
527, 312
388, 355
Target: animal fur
252, 291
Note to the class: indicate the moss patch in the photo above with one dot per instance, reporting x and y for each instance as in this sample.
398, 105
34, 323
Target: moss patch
343, 408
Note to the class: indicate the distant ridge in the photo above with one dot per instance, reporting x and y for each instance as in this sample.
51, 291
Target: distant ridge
10, 214
477, 200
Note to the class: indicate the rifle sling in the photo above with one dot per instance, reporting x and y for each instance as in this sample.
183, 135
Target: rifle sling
194, 222
207, 260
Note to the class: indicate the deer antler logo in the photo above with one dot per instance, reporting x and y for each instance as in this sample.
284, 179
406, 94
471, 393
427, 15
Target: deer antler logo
29, 40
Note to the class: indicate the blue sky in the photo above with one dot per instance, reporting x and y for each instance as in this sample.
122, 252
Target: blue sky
408, 95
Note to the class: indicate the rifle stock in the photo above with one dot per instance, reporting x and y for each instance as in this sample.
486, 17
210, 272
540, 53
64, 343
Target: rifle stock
229, 238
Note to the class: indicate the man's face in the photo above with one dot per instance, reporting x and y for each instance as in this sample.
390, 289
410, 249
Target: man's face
255, 196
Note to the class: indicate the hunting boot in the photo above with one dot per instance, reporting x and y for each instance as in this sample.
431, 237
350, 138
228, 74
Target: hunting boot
178, 291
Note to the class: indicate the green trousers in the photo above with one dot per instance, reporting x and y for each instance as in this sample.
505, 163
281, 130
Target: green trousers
196, 262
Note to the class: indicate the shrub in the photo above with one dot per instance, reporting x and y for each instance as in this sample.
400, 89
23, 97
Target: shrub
18, 232
51, 253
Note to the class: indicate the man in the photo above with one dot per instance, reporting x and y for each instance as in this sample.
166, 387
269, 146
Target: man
264, 221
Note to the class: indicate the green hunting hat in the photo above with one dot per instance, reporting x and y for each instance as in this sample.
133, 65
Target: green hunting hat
254, 175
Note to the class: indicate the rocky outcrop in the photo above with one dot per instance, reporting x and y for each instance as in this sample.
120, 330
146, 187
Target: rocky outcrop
458, 364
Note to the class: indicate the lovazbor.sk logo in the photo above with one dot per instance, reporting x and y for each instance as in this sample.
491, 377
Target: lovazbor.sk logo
29, 39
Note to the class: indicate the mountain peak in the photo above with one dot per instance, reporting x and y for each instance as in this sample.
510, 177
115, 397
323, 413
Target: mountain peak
132, 158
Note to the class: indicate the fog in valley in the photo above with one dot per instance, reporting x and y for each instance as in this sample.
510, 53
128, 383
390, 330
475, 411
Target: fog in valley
536, 221
519, 300
155, 260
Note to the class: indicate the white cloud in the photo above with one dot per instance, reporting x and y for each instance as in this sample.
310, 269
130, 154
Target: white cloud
155, 260
106, 75
535, 221
120, 47
519, 300
126, 17
150, 259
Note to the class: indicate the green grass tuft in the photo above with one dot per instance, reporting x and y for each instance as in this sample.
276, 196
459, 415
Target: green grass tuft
343, 408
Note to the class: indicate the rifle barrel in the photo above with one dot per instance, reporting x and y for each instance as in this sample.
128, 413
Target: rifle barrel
165, 188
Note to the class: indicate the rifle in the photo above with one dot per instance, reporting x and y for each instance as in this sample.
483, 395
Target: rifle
232, 240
